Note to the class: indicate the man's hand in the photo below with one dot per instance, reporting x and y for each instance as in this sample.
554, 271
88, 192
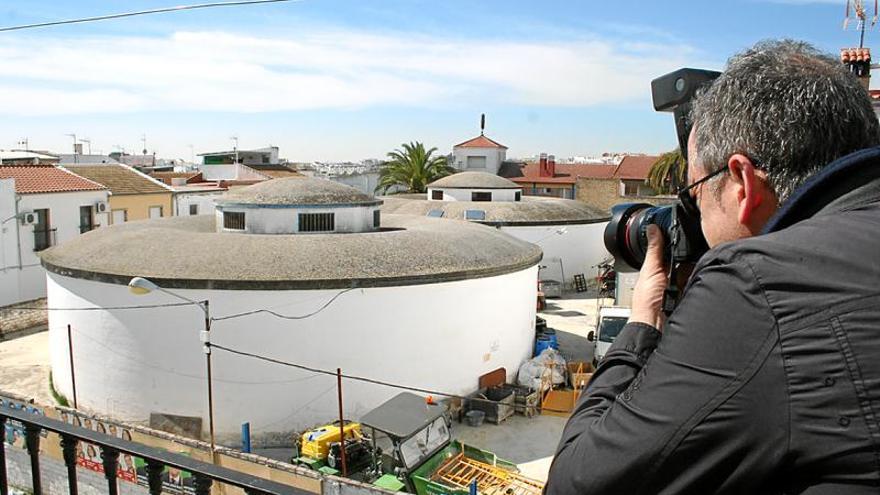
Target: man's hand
648, 293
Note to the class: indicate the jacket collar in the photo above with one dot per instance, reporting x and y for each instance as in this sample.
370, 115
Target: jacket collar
843, 184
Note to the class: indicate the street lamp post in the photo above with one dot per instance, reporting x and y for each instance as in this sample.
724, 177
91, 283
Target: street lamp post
140, 286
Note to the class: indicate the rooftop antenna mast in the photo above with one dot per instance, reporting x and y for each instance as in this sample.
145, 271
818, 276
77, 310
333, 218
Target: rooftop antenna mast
856, 9
482, 123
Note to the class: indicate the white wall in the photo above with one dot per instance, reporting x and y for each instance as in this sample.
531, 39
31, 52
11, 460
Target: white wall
262, 220
25, 281
576, 251
204, 200
494, 157
130, 363
230, 172
457, 194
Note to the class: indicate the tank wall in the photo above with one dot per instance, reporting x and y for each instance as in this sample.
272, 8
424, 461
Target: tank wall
578, 250
130, 363
286, 220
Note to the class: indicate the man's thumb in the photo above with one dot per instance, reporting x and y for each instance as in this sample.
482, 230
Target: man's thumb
655, 242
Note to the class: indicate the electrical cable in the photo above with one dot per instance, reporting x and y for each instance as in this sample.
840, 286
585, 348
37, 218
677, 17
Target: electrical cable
361, 378
285, 317
141, 12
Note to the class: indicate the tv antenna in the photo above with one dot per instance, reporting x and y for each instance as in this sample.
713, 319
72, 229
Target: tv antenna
482, 123
855, 9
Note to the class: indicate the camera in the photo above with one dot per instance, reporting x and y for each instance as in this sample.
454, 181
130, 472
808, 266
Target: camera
626, 236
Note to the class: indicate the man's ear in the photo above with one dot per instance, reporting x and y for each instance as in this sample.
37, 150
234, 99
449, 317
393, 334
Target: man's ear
749, 189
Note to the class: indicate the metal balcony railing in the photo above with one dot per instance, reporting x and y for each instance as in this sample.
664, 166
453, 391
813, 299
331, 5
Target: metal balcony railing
204, 474
44, 239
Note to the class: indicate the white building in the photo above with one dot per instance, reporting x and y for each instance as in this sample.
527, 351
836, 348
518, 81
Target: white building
417, 301
479, 154
41, 206
569, 232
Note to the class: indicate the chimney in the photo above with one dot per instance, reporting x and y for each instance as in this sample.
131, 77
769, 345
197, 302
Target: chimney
858, 60
542, 165
551, 166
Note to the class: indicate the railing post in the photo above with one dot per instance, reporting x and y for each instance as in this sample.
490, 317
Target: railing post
154, 476
202, 484
110, 458
4, 490
32, 441
68, 450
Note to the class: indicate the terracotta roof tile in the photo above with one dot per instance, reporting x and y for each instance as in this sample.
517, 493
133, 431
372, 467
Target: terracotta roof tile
120, 179
480, 141
566, 173
635, 167
46, 179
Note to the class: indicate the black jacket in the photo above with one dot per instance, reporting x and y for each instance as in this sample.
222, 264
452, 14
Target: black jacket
767, 376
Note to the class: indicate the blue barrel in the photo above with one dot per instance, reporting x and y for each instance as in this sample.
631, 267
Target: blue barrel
551, 334
542, 343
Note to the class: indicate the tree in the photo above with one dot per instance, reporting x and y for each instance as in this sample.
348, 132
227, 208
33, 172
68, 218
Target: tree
668, 172
413, 168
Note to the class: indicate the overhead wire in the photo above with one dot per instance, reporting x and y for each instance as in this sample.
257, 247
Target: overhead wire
362, 378
139, 12
282, 316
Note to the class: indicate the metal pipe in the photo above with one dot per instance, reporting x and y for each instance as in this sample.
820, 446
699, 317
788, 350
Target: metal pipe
72, 372
341, 422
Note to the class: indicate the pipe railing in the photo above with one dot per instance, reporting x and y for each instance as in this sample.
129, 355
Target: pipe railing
204, 474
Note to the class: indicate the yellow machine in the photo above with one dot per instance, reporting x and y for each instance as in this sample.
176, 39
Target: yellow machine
315, 444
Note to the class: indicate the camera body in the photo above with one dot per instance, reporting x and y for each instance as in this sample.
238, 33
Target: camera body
626, 235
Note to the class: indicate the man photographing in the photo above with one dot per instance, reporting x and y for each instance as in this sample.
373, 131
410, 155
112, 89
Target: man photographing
766, 377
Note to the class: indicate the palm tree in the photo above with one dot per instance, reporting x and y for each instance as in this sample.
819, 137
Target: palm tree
668, 172
413, 168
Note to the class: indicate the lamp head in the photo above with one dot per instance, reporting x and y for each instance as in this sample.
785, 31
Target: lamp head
141, 286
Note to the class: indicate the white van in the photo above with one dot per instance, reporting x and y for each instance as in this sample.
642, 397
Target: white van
610, 323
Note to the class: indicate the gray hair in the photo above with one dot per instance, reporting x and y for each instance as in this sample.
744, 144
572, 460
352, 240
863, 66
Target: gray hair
787, 106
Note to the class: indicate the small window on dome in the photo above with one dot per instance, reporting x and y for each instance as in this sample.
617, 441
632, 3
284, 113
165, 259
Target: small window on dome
376, 219
517, 196
317, 222
437, 195
435, 213
477, 215
481, 196
233, 220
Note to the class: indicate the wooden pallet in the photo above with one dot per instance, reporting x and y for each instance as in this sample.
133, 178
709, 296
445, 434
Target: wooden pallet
460, 471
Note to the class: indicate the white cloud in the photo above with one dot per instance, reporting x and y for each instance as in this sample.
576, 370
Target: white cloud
332, 69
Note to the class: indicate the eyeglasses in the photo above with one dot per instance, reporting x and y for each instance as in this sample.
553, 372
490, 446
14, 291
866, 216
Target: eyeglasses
689, 201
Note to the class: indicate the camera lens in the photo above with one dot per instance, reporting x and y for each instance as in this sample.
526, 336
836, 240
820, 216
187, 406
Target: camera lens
626, 236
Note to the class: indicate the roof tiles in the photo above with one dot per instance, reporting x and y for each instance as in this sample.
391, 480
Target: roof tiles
120, 179
480, 141
46, 179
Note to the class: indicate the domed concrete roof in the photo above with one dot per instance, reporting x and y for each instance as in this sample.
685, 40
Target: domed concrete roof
292, 191
407, 251
532, 210
474, 180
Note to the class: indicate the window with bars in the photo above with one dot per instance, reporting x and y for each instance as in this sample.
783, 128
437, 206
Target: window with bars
193, 209
437, 195
317, 222
517, 196
376, 219
233, 220
481, 196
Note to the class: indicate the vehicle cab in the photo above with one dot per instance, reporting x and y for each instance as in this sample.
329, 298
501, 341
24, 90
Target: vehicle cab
609, 323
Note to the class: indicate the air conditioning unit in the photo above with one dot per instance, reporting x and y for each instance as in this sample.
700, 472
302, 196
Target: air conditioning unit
101, 207
28, 218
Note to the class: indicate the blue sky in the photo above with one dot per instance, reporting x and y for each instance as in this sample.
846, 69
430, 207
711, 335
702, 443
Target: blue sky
345, 79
